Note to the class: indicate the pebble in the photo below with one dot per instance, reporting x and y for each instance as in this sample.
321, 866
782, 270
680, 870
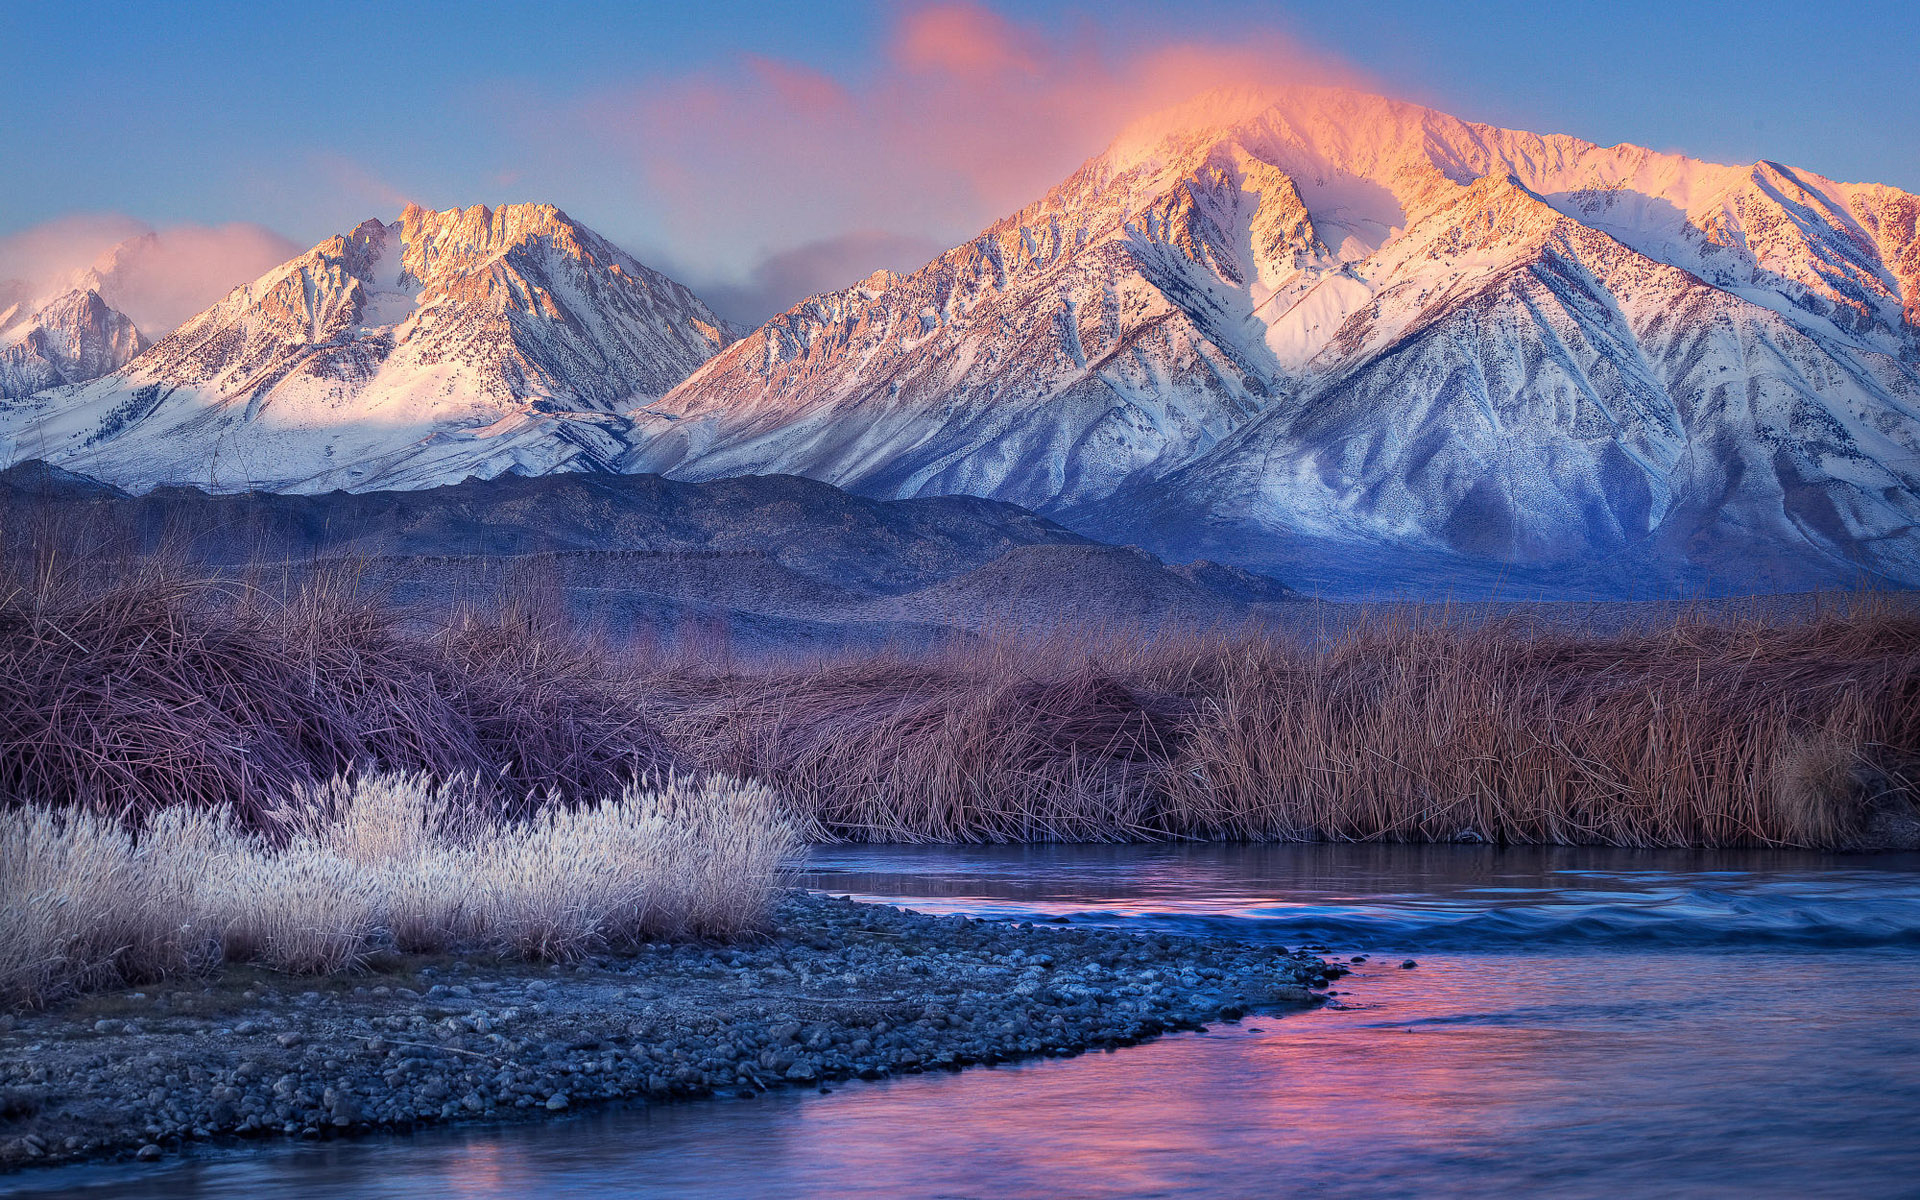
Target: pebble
834, 990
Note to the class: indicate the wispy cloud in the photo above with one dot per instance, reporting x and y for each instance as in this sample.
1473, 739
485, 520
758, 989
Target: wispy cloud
353, 182
157, 277
964, 116
783, 277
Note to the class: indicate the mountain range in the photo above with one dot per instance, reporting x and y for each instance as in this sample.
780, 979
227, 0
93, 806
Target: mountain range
1352, 341
426, 350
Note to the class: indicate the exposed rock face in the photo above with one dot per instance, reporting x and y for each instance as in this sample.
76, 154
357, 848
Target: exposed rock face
71, 338
446, 344
1365, 341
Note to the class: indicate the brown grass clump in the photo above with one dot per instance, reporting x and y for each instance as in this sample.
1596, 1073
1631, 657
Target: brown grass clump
128, 691
1408, 729
962, 746
1697, 735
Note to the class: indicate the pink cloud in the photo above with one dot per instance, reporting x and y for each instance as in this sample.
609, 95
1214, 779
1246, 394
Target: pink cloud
799, 90
41, 254
964, 117
157, 277
964, 39
351, 182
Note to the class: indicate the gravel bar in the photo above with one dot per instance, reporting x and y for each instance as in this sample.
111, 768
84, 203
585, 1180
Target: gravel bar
834, 990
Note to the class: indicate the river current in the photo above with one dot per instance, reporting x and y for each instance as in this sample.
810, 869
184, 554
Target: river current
1579, 1023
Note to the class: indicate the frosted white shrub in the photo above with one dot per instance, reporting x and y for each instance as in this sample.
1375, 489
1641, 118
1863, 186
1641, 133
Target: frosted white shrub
695, 857
384, 860
304, 909
81, 906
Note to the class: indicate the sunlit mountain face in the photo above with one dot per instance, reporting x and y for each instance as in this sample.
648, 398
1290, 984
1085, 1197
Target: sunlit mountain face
1363, 340
437, 347
1354, 341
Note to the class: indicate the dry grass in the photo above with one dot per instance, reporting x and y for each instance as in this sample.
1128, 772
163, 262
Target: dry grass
80, 907
131, 688
141, 688
383, 862
1413, 728
1697, 735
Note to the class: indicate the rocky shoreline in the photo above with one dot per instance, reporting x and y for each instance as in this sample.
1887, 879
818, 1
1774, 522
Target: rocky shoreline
835, 990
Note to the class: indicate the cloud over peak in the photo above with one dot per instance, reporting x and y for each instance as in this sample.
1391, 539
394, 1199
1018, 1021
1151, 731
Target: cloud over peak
963, 116
157, 277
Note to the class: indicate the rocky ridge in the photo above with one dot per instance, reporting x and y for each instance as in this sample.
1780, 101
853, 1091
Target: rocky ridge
1314, 328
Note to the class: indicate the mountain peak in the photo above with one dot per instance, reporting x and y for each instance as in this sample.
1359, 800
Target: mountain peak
72, 337
1311, 319
468, 341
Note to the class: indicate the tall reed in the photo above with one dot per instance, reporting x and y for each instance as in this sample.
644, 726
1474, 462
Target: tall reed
130, 689
147, 688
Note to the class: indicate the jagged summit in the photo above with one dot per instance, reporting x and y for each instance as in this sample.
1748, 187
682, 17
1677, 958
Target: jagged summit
1275, 327
443, 344
72, 337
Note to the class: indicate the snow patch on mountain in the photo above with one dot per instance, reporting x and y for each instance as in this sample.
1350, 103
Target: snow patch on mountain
1267, 326
469, 342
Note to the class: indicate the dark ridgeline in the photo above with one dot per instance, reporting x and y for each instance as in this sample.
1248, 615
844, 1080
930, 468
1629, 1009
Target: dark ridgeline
875, 545
762, 562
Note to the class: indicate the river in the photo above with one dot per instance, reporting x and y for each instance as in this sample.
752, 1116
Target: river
1579, 1023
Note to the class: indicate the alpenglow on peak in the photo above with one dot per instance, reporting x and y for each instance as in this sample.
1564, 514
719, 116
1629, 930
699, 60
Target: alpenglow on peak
425, 350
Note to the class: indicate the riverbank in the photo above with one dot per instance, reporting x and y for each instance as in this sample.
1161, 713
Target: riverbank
836, 990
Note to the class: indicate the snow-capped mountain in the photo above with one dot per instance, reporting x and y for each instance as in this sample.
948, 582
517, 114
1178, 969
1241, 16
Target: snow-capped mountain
72, 337
441, 346
73, 327
1356, 337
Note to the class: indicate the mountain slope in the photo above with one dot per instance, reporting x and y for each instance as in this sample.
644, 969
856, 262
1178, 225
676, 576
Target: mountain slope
446, 344
1317, 327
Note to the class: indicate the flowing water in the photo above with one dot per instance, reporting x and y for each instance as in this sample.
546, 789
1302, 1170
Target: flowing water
1580, 1023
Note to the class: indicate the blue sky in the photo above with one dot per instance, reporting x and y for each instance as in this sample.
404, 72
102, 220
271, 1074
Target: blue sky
660, 124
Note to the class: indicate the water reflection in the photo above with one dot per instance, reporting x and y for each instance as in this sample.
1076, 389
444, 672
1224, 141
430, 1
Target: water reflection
1566, 1067
1412, 897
